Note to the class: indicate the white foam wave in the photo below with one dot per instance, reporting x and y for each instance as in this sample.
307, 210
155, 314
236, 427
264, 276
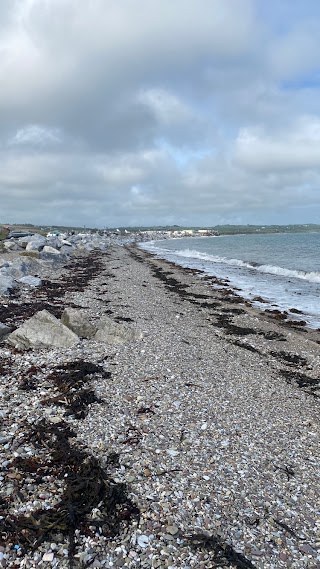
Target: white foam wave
313, 277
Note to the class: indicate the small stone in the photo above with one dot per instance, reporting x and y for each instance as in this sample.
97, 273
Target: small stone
307, 549
172, 530
173, 452
143, 540
56, 419
283, 556
5, 439
48, 557
256, 552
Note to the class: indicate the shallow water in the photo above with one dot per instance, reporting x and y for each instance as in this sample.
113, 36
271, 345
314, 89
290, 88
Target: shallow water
282, 268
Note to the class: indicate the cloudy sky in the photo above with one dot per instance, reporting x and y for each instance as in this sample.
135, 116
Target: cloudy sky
142, 112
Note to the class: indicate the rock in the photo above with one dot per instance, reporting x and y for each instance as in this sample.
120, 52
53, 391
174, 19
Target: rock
78, 322
52, 250
143, 541
4, 330
48, 557
307, 549
54, 242
21, 267
114, 333
172, 530
6, 284
10, 246
172, 452
41, 331
5, 439
36, 243
55, 419
31, 281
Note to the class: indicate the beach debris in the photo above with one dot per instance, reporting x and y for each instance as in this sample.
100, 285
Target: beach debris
223, 553
271, 335
87, 489
290, 358
69, 380
224, 321
145, 410
302, 380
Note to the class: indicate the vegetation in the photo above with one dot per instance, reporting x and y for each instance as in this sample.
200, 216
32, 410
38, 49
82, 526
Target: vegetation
221, 229
3, 233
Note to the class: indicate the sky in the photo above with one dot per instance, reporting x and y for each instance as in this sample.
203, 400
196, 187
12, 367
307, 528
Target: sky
159, 112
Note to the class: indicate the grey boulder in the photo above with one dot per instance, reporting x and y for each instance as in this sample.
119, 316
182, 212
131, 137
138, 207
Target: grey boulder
11, 246
114, 333
4, 330
7, 284
21, 267
78, 322
30, 281
36, 243
51, 250
43, 330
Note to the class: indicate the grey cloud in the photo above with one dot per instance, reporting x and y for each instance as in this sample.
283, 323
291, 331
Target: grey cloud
153, 111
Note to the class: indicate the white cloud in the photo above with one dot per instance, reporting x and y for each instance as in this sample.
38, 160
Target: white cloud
36, 135
158, 110
296, 148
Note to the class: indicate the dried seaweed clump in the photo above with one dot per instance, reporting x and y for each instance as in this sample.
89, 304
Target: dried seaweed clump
87, 487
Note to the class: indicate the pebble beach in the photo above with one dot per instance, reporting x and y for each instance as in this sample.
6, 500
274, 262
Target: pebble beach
194, 445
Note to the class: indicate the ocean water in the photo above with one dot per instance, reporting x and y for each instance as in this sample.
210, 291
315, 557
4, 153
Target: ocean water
283, 269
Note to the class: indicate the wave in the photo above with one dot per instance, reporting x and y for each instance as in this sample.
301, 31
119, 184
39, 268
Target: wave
313, 277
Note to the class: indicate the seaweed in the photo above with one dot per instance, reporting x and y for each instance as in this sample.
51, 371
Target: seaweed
277, 314
301, 380
86, 486
76, 404
144, 410
223, 321
246, 346
270, 335
222, 552
69, 379
49, 296
289, 358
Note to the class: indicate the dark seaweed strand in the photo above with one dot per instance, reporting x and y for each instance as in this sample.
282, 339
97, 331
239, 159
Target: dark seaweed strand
222, 551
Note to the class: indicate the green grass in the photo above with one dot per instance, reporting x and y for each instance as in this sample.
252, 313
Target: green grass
3, 234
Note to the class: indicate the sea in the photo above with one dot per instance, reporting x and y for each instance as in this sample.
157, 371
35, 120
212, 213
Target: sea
281, 268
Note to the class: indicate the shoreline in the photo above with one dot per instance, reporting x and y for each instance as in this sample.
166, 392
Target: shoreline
211, 420
291, 316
